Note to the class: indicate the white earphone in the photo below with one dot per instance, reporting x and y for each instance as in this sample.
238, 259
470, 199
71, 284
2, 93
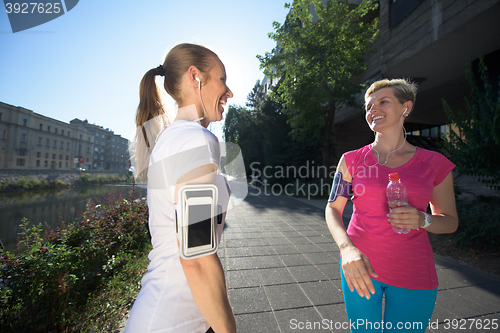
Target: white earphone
404, 112
199, 82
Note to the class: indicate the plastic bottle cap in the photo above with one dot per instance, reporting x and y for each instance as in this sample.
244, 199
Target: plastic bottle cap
394, 177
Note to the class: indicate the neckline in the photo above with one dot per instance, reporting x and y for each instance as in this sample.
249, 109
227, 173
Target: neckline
385, 166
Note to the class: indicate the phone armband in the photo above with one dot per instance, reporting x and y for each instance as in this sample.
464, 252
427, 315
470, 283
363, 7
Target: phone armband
196, 218
340, 187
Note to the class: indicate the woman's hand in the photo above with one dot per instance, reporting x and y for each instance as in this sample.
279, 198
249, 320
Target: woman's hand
357, 270
406, 217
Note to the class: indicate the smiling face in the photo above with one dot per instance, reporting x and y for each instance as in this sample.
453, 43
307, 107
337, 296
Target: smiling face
383, 110
215, 92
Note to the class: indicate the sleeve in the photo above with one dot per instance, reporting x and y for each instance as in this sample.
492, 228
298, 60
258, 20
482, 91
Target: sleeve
178, 153
197, 148
442, 167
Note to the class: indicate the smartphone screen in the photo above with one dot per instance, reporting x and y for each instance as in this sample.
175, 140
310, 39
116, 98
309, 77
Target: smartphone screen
199, 226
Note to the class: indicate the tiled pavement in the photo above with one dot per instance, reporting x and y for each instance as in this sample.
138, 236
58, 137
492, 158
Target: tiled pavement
282, 273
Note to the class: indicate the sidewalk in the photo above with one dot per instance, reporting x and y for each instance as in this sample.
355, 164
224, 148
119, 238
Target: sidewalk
282, 272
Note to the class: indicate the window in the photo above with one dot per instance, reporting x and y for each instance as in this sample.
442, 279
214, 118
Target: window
20, 161
399, 9
47, 143
55, 130
67, 146
23, 138
53, 156
46, 155
22, 152
67, 157
37, 163
62, 132
87, 160
66, 164
40, 127
39, 143
81, 136
69, 133
4, 136
88, 149
48, 128
1, 116
89, 138
55, 144
95, 157
25, 122
60, 157
61, 146
45, 164
60, 164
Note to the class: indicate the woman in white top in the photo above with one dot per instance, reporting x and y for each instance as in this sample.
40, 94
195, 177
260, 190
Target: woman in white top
180, 295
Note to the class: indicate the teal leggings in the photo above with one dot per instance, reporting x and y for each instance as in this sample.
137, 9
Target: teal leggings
407, 310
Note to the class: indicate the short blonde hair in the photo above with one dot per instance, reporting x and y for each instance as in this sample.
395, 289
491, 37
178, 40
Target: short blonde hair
403, 89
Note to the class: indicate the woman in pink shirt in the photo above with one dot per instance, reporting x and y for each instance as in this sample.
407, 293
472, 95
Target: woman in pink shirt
376, 261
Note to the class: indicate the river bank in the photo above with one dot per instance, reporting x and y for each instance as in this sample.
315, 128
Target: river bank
14, 180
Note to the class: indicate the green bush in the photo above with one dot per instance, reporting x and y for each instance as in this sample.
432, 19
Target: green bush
479, 225
52, 283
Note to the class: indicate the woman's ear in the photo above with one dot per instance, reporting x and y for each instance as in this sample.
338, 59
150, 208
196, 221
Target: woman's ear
194, 76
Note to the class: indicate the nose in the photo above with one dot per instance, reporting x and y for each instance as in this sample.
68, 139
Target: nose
229, 93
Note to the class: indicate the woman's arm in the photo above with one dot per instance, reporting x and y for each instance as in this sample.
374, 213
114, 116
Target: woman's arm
444, 211
356, 266
205, 275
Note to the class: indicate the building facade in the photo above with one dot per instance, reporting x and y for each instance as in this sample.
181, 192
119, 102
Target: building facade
110, 151
29, 140
429, 42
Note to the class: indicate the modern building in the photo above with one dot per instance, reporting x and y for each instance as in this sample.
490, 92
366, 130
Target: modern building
110, 150
29, 140
429, 42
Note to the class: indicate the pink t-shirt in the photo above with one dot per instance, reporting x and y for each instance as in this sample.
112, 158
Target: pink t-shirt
404, 261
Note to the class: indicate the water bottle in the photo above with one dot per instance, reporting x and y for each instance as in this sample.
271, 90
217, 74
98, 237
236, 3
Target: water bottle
397, 197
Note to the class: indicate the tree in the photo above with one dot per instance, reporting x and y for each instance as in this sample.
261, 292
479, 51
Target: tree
241, 127
319, 50
256, 98
474, 140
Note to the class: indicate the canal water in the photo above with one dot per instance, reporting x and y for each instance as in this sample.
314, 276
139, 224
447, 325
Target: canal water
52, 206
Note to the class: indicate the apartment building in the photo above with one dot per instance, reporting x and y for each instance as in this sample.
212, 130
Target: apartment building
29, 140
110, 151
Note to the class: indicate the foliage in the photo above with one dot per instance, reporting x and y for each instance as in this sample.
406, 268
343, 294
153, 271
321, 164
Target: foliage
57, 278
320, 49
472, 147
263, 136
479, 223
25, 183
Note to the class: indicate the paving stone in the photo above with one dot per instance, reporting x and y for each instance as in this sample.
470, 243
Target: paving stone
308, 273
257, 322
243, 278
322, 292
287, 296
248, 300
274, 276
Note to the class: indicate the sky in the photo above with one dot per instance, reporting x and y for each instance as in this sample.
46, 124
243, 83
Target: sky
88, 63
